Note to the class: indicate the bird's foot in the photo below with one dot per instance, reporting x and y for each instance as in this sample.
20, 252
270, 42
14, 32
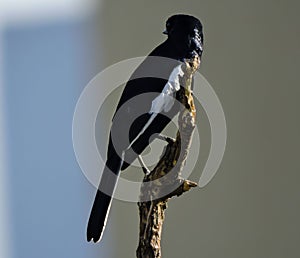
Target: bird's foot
165, 138
143, 165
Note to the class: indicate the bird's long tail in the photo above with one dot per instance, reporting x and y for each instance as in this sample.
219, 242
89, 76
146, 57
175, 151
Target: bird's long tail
102, 202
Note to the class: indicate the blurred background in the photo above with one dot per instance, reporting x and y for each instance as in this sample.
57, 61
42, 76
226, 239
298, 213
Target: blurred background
49, 50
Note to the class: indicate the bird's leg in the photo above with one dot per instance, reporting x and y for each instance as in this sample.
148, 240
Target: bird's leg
143, 165
165, 138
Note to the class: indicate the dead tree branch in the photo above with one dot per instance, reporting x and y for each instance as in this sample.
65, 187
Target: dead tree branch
165, 181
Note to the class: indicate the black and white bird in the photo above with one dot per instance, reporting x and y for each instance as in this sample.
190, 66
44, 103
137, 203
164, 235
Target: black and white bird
146, 106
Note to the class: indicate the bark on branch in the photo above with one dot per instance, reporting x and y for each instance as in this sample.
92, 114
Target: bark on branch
164, 181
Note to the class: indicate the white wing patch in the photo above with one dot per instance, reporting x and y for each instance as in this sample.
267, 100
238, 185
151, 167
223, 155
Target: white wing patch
164, 101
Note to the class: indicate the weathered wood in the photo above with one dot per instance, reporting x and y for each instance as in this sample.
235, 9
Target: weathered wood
165, 177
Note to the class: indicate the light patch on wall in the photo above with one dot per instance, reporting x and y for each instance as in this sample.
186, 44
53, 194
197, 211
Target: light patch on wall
31, 11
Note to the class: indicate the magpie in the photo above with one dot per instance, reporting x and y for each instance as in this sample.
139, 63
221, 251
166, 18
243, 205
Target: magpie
145, 108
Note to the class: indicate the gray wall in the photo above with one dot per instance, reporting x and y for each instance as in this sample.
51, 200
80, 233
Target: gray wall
251, 208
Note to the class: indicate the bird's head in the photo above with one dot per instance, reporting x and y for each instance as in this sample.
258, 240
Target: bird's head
186, 34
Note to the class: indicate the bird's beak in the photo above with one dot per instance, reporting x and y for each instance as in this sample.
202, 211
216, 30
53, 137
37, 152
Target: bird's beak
165, 32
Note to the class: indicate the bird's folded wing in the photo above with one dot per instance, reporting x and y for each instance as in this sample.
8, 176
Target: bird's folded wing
165, 100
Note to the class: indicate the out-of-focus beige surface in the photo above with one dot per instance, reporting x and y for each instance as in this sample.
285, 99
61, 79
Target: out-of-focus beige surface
251, 207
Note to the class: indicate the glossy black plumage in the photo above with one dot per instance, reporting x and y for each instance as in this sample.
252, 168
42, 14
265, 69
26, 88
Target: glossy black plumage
185, 39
